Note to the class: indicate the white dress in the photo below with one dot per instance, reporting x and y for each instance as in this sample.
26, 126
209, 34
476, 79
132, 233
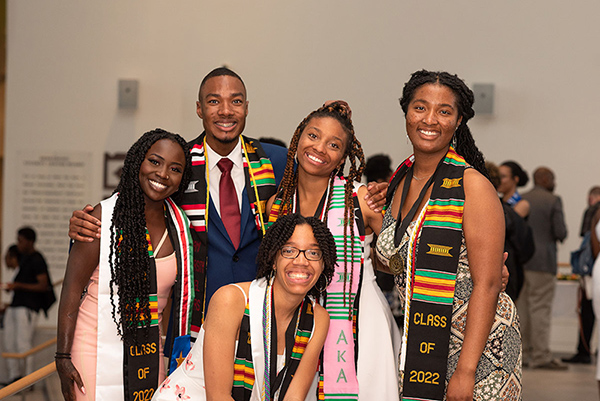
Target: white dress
378, 339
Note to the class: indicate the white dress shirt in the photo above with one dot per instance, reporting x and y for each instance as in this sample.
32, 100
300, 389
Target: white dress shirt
214, 173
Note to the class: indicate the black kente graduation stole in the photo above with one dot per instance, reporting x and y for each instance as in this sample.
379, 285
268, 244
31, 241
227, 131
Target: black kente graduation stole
260, 186
431, 276
141, 352
141, 357
297, 336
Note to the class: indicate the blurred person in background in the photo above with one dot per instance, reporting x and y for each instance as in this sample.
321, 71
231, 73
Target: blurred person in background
518, 240
511, 177
547, 221
28, 286
585, 309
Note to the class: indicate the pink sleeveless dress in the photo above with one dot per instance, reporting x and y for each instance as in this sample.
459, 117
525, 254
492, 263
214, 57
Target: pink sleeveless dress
83, 351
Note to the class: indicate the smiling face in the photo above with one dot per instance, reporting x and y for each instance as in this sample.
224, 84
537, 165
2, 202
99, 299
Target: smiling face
322, 146
223, 108
432, 117
161, 170
297, 276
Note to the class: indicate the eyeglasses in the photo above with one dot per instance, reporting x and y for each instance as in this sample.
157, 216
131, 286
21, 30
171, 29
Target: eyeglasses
290, 252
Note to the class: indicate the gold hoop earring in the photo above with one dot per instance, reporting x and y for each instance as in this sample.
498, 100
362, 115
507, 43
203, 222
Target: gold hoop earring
324, 287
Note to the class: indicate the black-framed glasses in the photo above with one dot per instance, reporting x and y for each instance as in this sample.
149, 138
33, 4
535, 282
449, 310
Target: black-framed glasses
290, 252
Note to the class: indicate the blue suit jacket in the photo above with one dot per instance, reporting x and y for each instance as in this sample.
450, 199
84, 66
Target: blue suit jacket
227, 265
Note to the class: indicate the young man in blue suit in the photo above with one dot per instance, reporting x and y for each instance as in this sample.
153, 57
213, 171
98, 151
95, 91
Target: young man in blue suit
228, 252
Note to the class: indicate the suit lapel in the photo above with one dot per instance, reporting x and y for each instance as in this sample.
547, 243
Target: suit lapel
215, 221
246, 222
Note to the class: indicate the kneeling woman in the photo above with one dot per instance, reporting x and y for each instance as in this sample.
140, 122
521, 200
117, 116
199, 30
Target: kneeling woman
271, 329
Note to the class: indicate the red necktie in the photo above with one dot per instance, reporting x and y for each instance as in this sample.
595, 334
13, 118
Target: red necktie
228, 200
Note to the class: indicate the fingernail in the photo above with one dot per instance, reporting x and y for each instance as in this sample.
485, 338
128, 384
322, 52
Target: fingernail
82, 389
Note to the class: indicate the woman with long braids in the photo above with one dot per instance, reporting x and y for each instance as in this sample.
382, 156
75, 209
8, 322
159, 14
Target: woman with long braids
261, 340
115, 288
443, 236
360, 353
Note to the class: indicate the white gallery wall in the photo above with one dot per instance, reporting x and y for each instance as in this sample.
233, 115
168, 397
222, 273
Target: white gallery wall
65, 59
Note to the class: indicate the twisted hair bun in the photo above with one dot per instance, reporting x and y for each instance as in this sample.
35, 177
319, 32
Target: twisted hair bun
339, 107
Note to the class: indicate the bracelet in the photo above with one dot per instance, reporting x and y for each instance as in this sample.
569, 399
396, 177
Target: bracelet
62, 355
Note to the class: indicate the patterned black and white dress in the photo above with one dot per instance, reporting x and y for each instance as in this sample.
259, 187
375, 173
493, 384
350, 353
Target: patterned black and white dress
499, 372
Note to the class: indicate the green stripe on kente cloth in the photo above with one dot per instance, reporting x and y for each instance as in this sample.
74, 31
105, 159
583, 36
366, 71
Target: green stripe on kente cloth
239, 383
435, 274
428, 298
266, 181
256, 164
341, 397
447, 202
441, 224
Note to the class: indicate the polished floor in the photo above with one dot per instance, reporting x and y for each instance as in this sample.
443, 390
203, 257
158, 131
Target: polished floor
576, 384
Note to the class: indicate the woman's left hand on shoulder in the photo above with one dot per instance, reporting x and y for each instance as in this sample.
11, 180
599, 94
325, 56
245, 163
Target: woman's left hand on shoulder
372, 219
376, 193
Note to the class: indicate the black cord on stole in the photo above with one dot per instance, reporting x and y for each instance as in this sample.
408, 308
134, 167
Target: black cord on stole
402, 225
290, 340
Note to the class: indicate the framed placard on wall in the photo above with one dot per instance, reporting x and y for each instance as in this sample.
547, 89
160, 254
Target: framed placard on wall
113, 166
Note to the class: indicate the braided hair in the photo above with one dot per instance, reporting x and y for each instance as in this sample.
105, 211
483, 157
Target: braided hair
353, 154
281, 231
465, 144
129, 260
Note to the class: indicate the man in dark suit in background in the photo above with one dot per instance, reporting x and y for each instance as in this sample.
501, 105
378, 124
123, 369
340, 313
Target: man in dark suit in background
547, 221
